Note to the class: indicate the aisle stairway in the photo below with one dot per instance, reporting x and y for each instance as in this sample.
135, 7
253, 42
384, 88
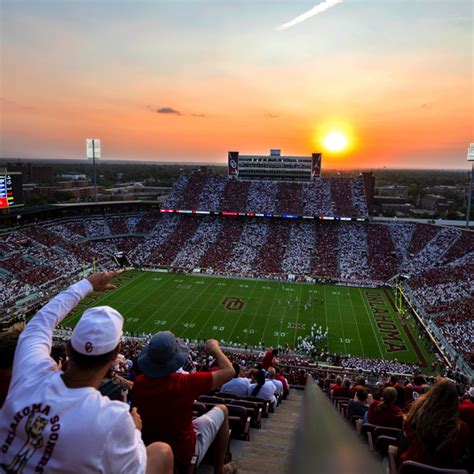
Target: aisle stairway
270, 447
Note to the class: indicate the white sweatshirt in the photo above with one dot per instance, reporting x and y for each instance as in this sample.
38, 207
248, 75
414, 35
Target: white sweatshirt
48, 427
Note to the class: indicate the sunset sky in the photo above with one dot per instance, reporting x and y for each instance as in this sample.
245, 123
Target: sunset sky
188, 80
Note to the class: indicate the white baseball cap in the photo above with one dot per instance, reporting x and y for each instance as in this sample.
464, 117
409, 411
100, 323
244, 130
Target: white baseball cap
98, 331
470, 392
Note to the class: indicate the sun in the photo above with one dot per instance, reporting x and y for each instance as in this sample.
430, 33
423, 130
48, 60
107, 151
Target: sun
335, 141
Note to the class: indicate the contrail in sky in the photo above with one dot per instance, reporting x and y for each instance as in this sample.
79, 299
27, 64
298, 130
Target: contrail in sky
322, 7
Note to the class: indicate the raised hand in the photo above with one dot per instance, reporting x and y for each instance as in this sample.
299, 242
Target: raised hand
101, 281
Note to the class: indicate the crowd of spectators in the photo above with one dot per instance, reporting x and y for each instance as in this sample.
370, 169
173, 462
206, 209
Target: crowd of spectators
69, 232
217, 254
163, 376
401, 237
341, 193
325, 257
358, 197
297, 257
438, 260
190, 194
317, 198
432, 250
212, 193
194, 248
289, 199
382, 257
247, 247
165, 253
175, 195
269, 258
325, 196
421, 235
461, 249
261, 197
378, 366
145, 253
353, 263
457, 326
97, 228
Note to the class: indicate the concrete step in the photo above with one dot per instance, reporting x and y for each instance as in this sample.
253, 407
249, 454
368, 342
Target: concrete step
269, 451
262, 466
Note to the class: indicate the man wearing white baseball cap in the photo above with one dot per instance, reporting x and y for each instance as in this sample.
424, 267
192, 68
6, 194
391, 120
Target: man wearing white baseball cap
59, 422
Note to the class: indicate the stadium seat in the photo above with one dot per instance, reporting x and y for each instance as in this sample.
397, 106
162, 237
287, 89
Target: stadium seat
412, 467
267, 407
383, 442
211, 399
367, 432
199, 408
353, 420
253, 410
239, 422
385, 431
229, 396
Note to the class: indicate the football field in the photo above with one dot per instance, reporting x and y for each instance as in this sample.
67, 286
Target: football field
360, 321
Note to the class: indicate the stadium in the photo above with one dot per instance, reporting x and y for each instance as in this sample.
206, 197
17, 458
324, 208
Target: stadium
294, 265
236, 237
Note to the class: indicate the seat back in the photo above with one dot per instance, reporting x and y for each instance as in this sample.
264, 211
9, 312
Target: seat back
245, 404
211, 399
264, 404
412, 467
230, 396
199, 408
239, 413
367, 431
385, 431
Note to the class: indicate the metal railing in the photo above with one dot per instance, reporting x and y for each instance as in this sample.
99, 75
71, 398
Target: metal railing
325, 443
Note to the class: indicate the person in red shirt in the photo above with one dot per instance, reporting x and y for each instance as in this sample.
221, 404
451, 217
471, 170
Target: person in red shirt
435, 433
466, 413
8, 342
345, 391
337, 383
165, 400
270, 359
279, 376
385, 412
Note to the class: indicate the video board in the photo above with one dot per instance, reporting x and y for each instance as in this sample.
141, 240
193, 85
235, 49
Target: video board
11, 190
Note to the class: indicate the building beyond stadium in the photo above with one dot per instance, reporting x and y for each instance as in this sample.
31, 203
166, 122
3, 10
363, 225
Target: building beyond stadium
274, 167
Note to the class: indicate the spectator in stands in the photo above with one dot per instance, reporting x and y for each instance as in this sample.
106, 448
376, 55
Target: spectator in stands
434, 430
277, 383
114, 386
46, 405
345, 391
270, 359
279, 376
8, 342
336, 384
468, 398
262, 388
358, 405
385, 412
238, 385
165, 400
466, 413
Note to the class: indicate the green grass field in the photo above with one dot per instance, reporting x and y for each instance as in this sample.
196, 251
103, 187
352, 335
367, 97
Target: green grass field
360, 321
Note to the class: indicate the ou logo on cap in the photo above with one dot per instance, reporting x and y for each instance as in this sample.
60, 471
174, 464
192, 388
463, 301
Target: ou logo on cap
88, 347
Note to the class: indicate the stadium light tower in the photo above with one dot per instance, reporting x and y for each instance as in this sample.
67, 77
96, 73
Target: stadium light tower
470, 157
93, 153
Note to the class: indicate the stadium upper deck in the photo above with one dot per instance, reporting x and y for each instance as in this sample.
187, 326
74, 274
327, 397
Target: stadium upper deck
329, 198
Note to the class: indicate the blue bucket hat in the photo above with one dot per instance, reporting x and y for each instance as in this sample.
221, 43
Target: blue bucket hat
164, 354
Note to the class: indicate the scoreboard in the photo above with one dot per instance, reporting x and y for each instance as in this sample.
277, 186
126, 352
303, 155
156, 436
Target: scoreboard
11, 190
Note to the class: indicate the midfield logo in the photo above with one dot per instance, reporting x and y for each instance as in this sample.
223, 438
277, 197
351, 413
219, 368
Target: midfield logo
233, 303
